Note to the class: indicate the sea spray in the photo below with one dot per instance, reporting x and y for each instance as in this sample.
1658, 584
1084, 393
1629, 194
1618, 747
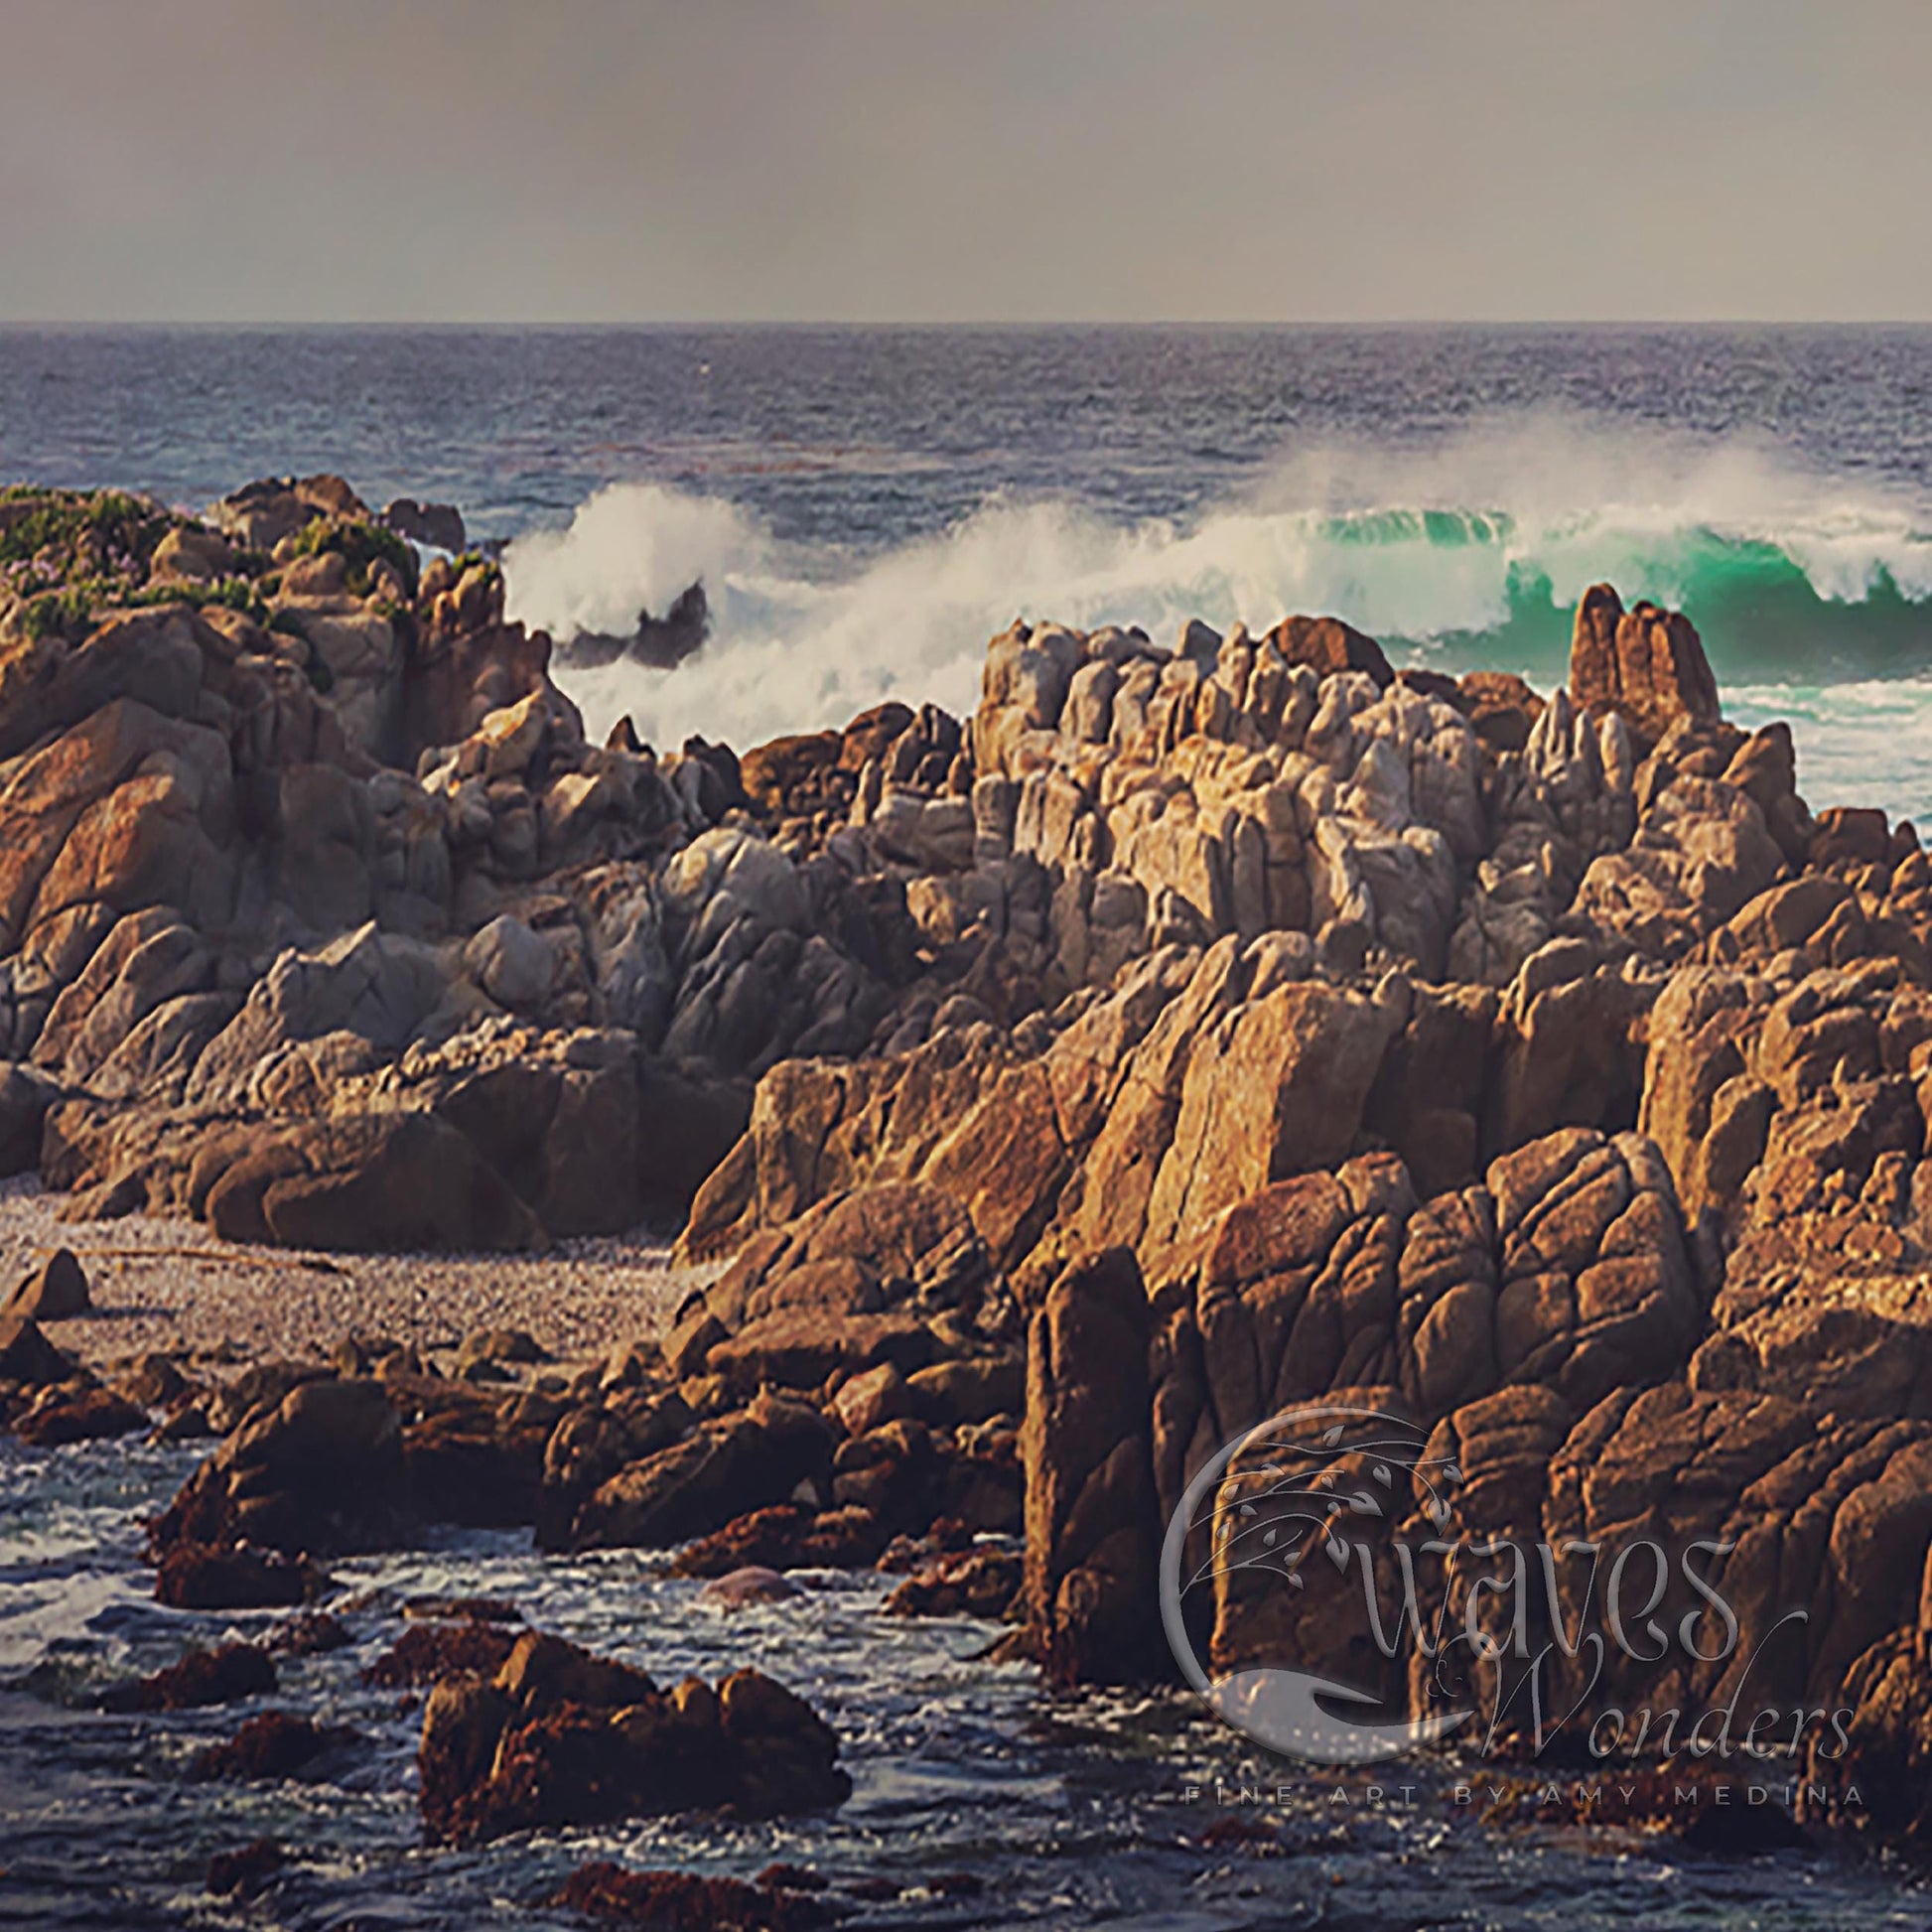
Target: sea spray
1469, 550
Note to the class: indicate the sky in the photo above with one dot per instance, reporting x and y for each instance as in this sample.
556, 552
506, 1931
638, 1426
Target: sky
637, 160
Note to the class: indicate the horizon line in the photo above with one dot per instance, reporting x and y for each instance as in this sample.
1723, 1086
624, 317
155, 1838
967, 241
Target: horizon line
21, 323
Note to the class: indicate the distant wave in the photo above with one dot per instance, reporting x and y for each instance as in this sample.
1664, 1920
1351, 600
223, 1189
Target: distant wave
1472, 549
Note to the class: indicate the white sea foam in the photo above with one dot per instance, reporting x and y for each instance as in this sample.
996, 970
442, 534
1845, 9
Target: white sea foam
1489, 533
1866, 742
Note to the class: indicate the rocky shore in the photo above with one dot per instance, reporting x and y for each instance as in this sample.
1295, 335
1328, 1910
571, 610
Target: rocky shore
1040, 1101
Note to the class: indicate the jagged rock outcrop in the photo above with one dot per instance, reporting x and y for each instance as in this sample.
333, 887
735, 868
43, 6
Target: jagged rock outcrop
1645, 664
322, 843
1188, 1033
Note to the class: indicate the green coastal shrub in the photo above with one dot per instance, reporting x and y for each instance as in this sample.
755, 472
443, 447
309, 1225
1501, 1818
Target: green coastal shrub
361, 545
63, 613
64, 520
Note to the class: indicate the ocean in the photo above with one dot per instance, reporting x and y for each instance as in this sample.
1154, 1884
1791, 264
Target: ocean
865, 507
988, 1804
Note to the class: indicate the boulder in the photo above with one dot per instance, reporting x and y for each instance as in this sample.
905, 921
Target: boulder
745, 1588
427, 1653
55, 1291
374, 1181
788, 1536
742, 1461
273, 1745
246, 1870
437, 524
514, 965
229, 1671
319, 1469
976, 1582
28, 1358
76, 1413
229, 1577
558, 1738
25, 1097
1327, 645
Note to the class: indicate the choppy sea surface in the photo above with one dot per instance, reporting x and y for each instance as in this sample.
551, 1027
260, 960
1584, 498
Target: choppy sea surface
864, 508
1065, 1812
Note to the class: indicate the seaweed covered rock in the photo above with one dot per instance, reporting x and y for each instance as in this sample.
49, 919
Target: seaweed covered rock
558, 1737
231, 1577
273, 1745
229, 1671
683, 1901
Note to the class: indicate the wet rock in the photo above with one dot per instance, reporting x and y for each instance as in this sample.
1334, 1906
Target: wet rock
788, 1536
427, 1652
1724, 1816
323, 1470
740, 1463
83, 1413
229, 1577
974, 1582
561, 1738
272, 1745
738, 1590
681, 1901
309, 1634
246, 1870
1092, 1543
1887, 1746
482, 1609
594, 1441
478, 1460
229, 1671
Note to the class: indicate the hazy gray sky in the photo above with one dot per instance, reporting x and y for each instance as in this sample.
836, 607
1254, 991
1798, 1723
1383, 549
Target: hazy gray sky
1293, 160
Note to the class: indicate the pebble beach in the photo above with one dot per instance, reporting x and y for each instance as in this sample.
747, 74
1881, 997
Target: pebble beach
161, 1284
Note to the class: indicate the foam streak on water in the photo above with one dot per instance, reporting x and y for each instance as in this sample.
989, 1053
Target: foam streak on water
1068, 1812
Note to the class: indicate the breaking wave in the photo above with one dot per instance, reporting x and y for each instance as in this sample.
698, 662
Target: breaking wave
1471, 550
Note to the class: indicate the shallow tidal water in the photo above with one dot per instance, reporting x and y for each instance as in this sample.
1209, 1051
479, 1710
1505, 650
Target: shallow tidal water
1065, 1811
